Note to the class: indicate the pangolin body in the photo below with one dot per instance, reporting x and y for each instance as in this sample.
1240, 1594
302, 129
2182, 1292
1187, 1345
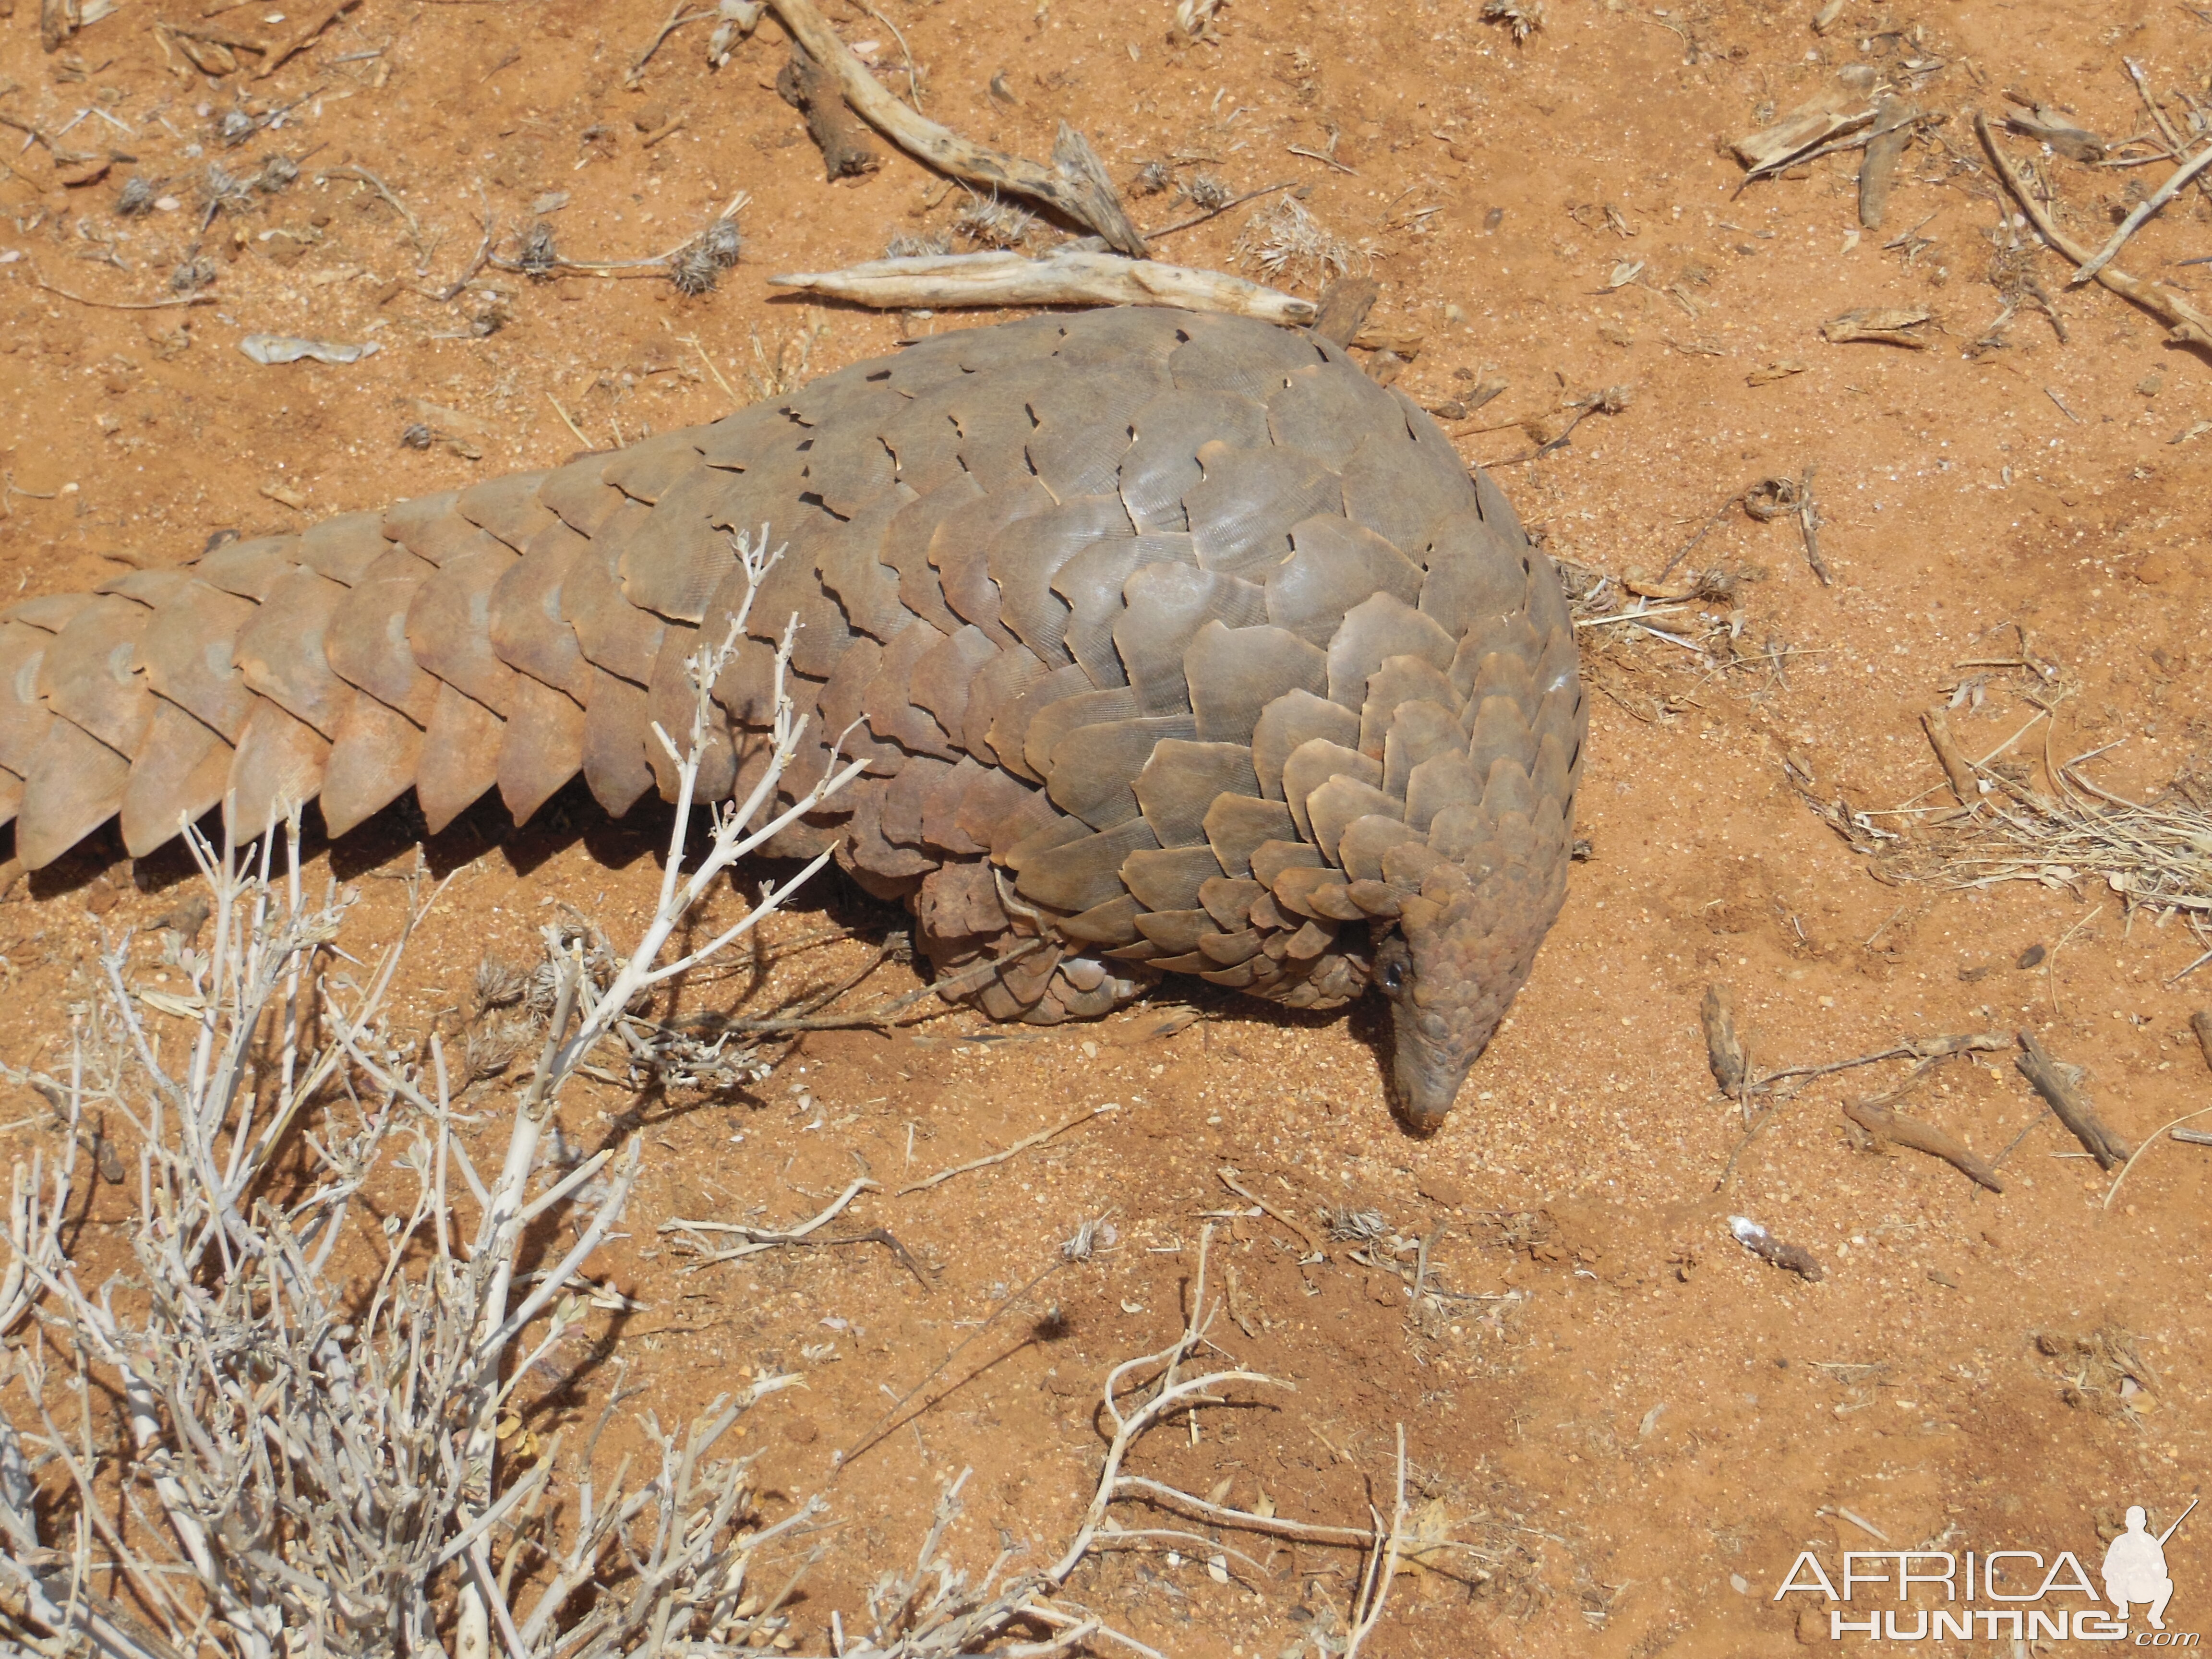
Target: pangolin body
1174, 644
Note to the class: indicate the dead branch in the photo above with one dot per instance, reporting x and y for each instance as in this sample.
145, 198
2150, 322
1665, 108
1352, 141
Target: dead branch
2185, 323
813, 91
950, 282
1076, 184
1021, 1146
2060, 1085
1723, 1048
313, 24
1937, 725
1886, 1125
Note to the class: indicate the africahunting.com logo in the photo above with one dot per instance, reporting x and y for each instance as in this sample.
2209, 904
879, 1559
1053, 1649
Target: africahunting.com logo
1936, 1595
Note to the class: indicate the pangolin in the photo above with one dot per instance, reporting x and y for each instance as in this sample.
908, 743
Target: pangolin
1174, 644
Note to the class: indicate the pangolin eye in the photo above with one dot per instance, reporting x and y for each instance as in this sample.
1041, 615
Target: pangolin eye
1393, 976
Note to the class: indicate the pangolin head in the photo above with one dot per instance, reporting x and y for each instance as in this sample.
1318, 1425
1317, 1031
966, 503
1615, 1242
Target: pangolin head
1461, 949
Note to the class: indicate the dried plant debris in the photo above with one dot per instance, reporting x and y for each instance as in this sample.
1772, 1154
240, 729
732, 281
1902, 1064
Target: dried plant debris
2156, 855
698, 266
2103, 1372
1801, 134
1208, 193
1287, 242
1882, 325
2054, 127
1153, 179
929, 245
986, 222
538, 258
1523, 17
1350, 1226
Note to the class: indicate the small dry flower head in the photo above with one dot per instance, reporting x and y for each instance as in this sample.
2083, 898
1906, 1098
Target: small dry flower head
1523, 17
538, 258
932, 245
500, 981
989, 222
1358, 1226
1288, 243
1088, 1240
1208, 193
700, 266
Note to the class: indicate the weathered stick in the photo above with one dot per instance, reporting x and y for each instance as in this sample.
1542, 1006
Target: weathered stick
1809, 524
1021, 1146
1076, 184
2186, 323
1886, 1125
2135, 220
811, 90
1937, 725
1892, 131
1344, 306
315, 22
951, 281
1723, 1048
1229, 1179
2056, 1082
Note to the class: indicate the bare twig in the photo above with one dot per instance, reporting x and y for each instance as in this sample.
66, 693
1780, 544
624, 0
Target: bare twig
123, 304
952, 280
2187, 324
1216, 212
1229, 1179
1884, 1124
1382, 1563
1019, 1147
2139, 216
1076, 184
677, 18
763, 1238
1809, 523
2060, 1087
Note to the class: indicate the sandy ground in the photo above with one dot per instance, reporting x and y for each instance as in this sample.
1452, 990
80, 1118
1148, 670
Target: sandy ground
1634, 1424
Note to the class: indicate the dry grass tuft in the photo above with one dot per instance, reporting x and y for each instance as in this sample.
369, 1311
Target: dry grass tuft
1288, 244
2156, 855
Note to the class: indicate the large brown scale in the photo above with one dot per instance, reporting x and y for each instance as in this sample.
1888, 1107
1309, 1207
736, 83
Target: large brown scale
1173, 641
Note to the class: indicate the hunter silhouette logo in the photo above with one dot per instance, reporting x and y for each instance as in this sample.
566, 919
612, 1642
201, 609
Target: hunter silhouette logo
1918, 1595
2134, 1567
